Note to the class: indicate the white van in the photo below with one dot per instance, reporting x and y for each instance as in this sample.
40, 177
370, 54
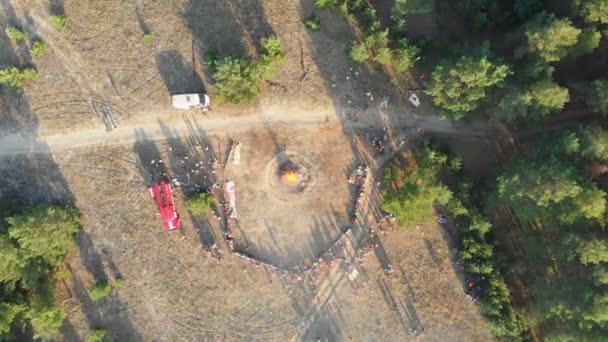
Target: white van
187, 101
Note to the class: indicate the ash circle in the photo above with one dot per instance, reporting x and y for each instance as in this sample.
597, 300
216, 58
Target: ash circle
306, 176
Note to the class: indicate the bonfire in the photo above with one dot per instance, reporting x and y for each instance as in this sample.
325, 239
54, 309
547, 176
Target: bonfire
291, 176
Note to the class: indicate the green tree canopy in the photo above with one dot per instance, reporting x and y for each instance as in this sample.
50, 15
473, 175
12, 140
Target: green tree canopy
594, 10
549, 189
47, 321
594, 143
551, 38
461, 86
600, 275
11, 262
588, 40
532, 103
597, 98
238, 80
45, 231
410, 196
593, 251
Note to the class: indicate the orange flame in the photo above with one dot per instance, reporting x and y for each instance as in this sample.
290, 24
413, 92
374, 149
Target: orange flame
291, 176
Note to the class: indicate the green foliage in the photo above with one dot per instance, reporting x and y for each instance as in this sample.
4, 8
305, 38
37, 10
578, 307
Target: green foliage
600, 275
45, 232
118, 282
594, 143
15, 78
461, 86
16, 35
597, 98
235, 80
593, 251
532, 103
33, 246
10, 313
38, 48
97, 335
12, 263
551, 38
405, 7
313, 23
59, 22
238, 81
405, 56
588, 40
358, 53
525, 9
200, 204
148, 38
383, 56
475, 253
594, 11
476, 10
99, 290
328, 3
47, 321
411, 196
549, 190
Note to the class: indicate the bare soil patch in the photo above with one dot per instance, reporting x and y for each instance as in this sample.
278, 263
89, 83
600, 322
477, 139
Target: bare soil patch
285, 222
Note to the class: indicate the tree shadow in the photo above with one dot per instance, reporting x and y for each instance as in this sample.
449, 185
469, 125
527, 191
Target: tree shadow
151, 165
179, 75
141, 21
243, 25
90, 258
56, 7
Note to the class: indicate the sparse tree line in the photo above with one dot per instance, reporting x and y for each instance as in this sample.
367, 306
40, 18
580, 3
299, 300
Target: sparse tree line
415, 191
385, 46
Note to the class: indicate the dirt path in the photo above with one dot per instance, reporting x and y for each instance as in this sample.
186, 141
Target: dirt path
19, 144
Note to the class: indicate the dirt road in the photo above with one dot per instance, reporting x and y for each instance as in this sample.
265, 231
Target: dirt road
20, 143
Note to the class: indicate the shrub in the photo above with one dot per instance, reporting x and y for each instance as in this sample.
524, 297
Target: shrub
118, 282
38, 48
313, 23
200, 203
404, 57
148, 38
59, 22
358, 53
15, 78
383, 56
97, 335
15, 34
410, 196
238, 80
99, 290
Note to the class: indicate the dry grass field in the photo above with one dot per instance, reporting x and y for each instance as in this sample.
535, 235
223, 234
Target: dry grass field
90, 131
